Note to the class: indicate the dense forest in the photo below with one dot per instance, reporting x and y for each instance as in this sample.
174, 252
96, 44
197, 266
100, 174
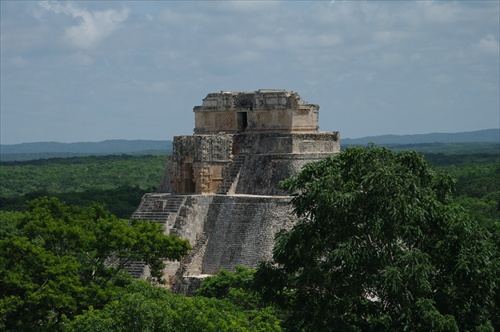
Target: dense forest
50, 285
118, 181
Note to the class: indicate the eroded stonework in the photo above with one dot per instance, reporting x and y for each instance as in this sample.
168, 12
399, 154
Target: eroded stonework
259, 111
220, 186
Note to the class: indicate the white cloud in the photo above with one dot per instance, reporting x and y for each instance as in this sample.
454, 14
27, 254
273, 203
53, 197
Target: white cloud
246, 6
439, 12
178, 17
265, 42
442, 78
82, 59
155, 87
18, 61
421, 13
327, 40
370, 76
92, 27
174, 52
337, 13
244, 57
389, 37
487, 45
232, 40
376, 14
415, 57
389, 59
308, 42
343, 77
170, 16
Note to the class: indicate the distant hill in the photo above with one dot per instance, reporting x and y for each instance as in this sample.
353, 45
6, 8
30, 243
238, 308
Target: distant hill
42, 150
487, 135
421, 142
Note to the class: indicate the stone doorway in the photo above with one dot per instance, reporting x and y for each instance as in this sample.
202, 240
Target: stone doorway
242, 121
189, 186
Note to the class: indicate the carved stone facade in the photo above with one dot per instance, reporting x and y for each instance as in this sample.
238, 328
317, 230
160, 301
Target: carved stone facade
275, 123
258, 112
197, 163
220, 186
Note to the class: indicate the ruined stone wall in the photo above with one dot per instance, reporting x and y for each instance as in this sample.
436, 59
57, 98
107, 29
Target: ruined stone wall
316, 143
280, 143
203, 164
197, 164
238, 230
261, 174
184, 215
259, 111
189, 224
271, 158
241, 230
224, 231
287, 120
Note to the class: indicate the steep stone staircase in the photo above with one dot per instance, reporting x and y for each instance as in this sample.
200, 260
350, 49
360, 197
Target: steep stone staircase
135, 268
158, 207
162, 208
233, 174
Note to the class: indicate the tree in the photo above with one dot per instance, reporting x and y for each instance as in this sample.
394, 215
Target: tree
62, 259
235, 287
142, 307
380, 247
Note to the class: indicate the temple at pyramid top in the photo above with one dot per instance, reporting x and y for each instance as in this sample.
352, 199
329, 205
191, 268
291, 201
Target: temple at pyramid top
262, 111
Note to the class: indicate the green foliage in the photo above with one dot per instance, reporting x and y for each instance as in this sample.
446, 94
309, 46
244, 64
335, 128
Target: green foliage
119, 182
60, 260
462, 158
41, 289
235, 287
121, 201
79, 174
380, 247
485, 209
8, 223
140, 307
478, 184
454, 150
218, 286
476, 180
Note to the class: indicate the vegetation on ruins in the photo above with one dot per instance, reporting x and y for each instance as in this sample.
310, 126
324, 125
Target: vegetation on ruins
61, 269
380, 245
235, 287
58, 260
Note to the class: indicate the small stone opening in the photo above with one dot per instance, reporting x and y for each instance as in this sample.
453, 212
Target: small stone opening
242, 120
189, 184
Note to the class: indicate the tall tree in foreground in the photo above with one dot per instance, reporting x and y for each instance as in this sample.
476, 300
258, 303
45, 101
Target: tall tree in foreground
55, 262
380, 247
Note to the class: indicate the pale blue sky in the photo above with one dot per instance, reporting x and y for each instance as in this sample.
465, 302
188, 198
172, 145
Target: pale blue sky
90, 71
